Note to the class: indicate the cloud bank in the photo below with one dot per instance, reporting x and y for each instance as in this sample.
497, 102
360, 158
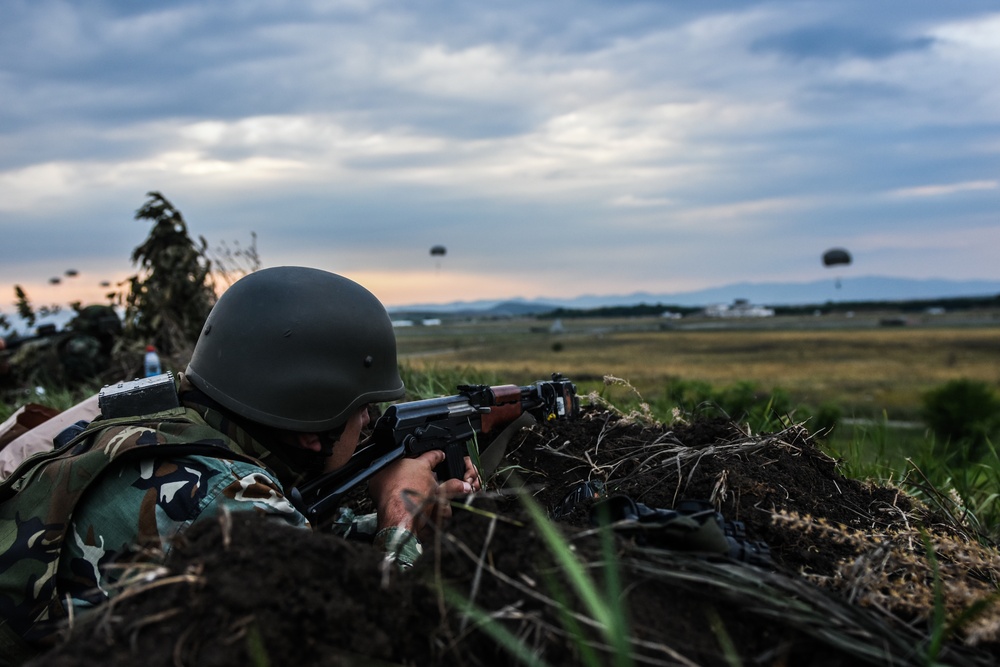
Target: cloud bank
554, 148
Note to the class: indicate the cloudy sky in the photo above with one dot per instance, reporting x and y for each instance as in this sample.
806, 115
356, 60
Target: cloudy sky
555, 148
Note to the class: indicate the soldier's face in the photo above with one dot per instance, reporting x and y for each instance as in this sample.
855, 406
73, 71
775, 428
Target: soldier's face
344, 448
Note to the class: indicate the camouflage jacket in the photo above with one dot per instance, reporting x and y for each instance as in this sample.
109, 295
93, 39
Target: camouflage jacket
72, 520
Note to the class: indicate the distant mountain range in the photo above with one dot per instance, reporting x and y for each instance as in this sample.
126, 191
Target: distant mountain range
867, 288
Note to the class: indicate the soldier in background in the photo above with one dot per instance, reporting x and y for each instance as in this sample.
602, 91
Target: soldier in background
78, 354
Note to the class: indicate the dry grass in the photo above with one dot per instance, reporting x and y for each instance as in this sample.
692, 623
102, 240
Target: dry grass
895, 574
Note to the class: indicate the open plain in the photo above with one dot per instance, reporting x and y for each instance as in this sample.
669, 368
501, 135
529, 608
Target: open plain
865, 364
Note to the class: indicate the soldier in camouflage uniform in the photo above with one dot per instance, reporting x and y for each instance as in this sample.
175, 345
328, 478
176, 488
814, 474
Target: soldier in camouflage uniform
277, 390
78, 354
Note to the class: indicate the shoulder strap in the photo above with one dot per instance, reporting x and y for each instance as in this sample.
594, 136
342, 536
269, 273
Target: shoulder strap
86, 439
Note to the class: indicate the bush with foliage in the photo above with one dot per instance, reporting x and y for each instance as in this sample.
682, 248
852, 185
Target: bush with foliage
172, 293
963, 411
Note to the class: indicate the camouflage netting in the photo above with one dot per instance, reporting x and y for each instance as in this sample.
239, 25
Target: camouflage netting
852, 580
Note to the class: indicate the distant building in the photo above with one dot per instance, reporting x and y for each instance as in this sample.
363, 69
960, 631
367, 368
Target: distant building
431, 322
402, 323
739, 308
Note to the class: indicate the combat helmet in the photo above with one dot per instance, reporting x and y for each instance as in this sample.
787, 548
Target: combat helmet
296, 348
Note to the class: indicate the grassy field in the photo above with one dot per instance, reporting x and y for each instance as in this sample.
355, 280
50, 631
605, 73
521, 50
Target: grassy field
874, 375
870, 371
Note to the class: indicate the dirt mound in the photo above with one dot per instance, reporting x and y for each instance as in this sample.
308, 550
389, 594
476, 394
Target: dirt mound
851, 580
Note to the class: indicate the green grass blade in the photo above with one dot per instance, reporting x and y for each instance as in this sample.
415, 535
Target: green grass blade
500, 634
570, 565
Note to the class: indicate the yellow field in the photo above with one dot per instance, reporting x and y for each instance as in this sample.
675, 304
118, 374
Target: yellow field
863, 368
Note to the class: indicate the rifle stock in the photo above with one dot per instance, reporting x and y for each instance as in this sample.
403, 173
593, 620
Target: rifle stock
446, 423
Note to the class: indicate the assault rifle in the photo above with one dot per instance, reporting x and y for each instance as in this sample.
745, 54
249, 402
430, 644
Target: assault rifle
446, 423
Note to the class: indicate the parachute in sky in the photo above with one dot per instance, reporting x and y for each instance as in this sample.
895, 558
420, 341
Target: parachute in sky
836, 256
72, 273
437, 252
55, 280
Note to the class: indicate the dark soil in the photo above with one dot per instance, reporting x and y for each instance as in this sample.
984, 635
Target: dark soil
261, 594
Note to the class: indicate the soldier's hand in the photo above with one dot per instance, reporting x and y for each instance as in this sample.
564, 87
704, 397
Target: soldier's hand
471, 475
407, 493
